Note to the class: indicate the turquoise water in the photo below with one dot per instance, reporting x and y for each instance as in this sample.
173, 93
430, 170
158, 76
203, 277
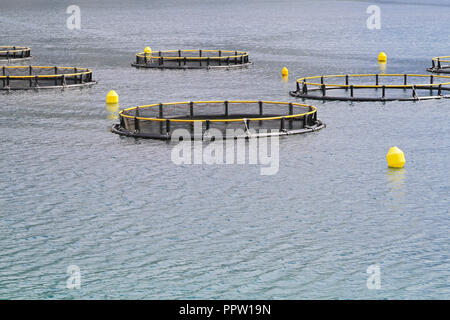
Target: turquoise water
140, 227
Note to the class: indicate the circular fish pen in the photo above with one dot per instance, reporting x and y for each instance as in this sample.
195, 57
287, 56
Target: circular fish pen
204, 119
40, 77
373, 87
14, 53
192, 59
440, 65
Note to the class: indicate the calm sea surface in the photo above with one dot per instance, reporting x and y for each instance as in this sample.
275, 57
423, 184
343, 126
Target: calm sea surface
140, 227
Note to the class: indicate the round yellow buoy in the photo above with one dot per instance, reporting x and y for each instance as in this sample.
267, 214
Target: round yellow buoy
112, 97
284, 72
382, 57
395, 158
147, 50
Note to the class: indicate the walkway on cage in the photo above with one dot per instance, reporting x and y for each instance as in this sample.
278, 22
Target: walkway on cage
233, 119
373, 87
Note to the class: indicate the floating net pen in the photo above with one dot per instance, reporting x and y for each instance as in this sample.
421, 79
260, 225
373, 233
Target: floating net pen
440, 65
12, 53
373, 87
192, 59
233, 119
41, 77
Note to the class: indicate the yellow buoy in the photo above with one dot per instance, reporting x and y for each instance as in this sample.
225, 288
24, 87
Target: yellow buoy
112, 97
395, 158
147, 50
284, 72
382, 57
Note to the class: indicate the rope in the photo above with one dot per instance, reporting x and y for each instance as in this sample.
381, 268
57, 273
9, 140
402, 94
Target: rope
64, 82
247, 131
414, 92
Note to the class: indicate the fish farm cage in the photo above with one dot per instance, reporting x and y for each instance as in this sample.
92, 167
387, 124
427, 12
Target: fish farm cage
233, 119
373, 87
192, 59
14, 53
440, 65
40, 77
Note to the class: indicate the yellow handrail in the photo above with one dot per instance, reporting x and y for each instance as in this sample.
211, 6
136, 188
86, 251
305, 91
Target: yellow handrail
313, 110
84, 71
441, 59
14, 49
304, 80
150, 56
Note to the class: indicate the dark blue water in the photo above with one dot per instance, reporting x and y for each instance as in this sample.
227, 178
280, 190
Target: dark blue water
139, 226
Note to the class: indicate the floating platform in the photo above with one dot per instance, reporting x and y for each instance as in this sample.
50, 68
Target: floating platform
440, 65
233, 119
42, 77
192, 59
14, 53
373, 87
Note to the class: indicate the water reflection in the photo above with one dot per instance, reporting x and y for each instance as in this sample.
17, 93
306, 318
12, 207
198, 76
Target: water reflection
112, 111
382, 67
396, 186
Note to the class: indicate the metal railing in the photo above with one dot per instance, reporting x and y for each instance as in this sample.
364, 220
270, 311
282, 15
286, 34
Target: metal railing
164, 121
440, 65
319, 84
14, 52
191, 58
10, 79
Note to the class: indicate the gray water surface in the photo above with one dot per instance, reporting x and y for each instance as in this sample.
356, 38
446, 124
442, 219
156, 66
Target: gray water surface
140, 227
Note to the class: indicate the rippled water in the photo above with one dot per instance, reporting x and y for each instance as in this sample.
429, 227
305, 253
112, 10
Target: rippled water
139, 226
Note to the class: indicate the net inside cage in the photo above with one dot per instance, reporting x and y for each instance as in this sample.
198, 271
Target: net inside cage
179, 59
11, 52
374, 87
28, 77
228, 118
